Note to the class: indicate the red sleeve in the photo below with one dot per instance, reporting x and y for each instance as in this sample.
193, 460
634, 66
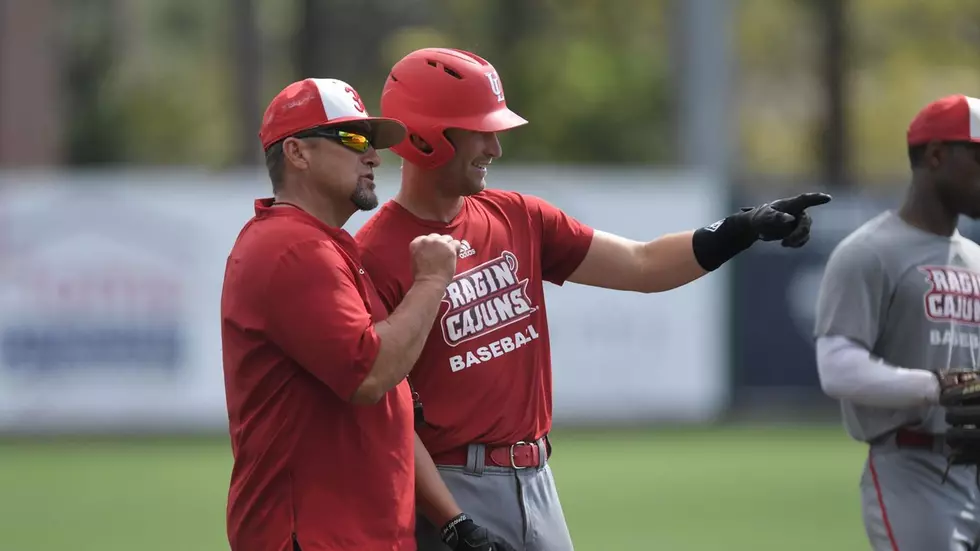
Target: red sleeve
318, 318
387, 285
564, 240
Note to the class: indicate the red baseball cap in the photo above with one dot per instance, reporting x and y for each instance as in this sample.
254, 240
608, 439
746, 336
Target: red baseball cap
318, 102
953, 118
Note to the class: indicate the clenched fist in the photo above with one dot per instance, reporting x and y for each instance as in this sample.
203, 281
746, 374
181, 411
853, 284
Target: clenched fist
434, 258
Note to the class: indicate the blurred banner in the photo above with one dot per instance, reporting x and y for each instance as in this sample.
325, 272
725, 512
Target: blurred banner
774, 298
110, 288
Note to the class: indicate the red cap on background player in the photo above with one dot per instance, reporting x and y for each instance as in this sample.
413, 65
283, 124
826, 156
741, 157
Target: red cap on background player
321, 102
953, 118
433, 89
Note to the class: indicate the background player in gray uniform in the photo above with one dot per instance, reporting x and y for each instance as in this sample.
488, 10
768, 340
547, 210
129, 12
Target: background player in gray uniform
900, 304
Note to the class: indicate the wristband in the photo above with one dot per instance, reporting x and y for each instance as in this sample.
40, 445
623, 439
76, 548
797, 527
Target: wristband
720, 242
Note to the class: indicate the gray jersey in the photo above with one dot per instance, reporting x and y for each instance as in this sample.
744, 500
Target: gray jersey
913, 299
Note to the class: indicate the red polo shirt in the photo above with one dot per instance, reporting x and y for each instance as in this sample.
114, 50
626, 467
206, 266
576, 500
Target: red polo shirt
484, 374
297, 329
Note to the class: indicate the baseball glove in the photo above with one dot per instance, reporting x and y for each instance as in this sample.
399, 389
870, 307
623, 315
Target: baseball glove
960, 395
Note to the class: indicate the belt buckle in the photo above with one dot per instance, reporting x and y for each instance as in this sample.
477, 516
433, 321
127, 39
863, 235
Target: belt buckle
513, 464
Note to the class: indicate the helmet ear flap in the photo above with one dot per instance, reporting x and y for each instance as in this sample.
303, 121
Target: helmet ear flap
419, 143
444, 150
428, 149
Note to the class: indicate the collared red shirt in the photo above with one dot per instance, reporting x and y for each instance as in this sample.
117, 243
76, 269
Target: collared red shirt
297, 328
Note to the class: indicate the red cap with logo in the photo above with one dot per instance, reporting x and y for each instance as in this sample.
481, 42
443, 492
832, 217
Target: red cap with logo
953, 118
319, 102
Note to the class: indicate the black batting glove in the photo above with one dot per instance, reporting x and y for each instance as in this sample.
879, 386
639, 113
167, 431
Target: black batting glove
785, 220
462, 534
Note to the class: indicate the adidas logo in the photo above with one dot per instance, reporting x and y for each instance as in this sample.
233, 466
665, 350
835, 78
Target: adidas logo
465, 249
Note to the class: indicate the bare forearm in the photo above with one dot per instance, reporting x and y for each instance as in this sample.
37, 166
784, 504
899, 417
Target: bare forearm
432, 496
402, 337
615, 262
668, 262
676, 259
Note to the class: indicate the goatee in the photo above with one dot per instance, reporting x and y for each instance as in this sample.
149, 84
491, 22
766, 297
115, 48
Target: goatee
364, 198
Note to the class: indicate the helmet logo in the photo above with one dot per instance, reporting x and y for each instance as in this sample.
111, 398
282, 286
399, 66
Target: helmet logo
495, 86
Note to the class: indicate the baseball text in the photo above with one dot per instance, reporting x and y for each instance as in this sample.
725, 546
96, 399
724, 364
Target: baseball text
959, 339
493, 350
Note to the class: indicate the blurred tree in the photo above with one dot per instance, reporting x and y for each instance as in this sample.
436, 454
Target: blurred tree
343, 39
178, 92
277, 28
96, 124
778, 87
510, 22
154, 81
247, 56
900, 54
591, 80
312, 35
150, 82
834, 132
906, 54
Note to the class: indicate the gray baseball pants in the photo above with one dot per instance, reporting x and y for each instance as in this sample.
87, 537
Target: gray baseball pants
907, 507
519, 505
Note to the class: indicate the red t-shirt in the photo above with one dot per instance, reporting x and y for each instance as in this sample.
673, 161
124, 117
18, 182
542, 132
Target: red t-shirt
297, 315
485, 371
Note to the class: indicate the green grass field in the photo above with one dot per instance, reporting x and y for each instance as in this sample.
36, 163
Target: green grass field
732, 489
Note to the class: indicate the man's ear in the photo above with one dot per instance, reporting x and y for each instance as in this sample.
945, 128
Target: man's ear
934, 154
420, 144
295, 154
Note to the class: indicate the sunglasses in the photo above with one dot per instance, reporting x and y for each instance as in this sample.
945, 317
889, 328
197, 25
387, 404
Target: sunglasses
351, 140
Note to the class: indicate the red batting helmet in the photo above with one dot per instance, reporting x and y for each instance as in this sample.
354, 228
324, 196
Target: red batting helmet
433, 89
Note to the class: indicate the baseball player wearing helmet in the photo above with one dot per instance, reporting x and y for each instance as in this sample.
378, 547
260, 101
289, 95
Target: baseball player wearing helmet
483, 380
898, 342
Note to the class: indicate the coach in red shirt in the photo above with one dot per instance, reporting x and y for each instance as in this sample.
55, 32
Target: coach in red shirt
320, 414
